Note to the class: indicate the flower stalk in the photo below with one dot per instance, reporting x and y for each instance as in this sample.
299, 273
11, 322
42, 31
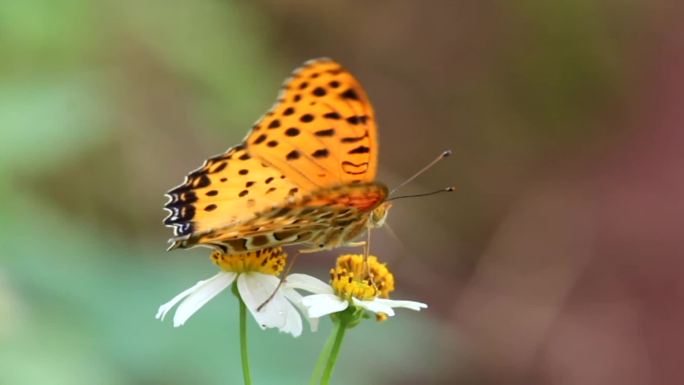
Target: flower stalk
334, 351
246, 374
244, 355
322, 360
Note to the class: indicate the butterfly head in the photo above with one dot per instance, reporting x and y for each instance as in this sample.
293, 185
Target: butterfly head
379, 214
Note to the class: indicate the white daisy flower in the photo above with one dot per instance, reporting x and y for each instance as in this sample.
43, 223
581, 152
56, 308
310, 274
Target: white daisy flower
352, 286
256, 276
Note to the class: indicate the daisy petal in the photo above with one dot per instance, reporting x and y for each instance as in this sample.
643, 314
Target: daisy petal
163, 309
255, 288
374, 306
318, 305
202, 294
293, 323
296, 299
413, 305
308, 283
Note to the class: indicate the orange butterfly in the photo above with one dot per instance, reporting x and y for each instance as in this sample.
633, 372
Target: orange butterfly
304, 173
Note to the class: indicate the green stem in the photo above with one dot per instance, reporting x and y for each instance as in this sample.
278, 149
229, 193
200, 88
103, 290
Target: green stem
243, 343
334, 351
322, 359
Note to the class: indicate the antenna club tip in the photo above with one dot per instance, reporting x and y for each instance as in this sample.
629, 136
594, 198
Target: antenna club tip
450, 188
446, 153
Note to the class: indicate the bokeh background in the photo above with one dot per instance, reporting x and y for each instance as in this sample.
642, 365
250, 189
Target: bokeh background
558, 260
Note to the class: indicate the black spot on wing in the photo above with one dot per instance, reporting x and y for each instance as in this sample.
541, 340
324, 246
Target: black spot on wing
322, 153
221, 166
354, 139
292, 131
350, 94
328, 132
259, 139
360, 150
283, 235
238, 244
319, 91
201, 181
361, 119
259, 240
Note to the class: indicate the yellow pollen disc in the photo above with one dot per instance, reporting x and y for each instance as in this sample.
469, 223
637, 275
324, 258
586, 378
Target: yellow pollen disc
267, 261
354, 277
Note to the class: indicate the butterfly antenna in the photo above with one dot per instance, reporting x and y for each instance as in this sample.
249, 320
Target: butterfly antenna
422, 170
447, 189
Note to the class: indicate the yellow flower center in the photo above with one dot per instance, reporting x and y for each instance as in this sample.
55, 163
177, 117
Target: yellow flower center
355, 276
268, 261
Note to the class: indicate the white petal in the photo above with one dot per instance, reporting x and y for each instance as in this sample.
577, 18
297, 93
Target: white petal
163, 309
313, 323
374, 306
413, 305
293, 324
318, 305
296, 299
202, 294
308, 283
255, 289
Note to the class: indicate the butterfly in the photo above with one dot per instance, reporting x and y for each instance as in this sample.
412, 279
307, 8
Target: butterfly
304, 174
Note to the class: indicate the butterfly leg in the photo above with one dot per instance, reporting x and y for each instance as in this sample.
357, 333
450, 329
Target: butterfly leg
366, 252
282, 279
366, 249
311, 250
355, 244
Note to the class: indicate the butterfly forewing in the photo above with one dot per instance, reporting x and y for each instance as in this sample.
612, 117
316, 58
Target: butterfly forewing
322, 131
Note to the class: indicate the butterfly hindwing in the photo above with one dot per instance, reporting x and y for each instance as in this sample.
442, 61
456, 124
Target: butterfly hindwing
228, 188
327, 218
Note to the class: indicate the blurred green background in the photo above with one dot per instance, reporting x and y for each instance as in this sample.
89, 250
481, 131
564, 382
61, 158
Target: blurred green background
557, 261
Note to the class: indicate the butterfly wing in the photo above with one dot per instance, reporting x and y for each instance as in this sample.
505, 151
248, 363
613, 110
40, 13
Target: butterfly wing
322, 130
321, 133
228, 188
328, 218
